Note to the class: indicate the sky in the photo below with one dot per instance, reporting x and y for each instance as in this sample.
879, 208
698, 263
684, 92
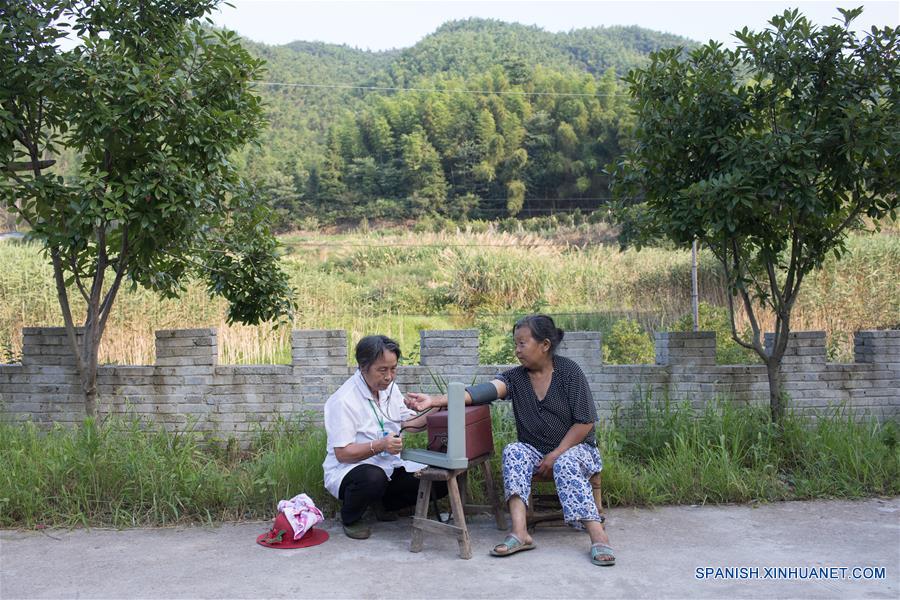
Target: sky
381, 25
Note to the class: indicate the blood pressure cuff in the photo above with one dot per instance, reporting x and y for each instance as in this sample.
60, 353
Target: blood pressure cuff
483, 393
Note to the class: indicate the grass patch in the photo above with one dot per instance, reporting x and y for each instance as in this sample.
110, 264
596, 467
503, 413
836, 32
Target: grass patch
662, 453
119, 473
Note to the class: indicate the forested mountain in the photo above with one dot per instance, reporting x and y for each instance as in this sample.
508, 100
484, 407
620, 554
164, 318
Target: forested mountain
472, 46
493, 120
504, 119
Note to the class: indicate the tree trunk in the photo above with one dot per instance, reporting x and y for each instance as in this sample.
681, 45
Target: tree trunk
776, 398
90, 394
85, 353
88, 372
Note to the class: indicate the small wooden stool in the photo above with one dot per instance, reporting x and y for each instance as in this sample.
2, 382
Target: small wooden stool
457, 483
533, 516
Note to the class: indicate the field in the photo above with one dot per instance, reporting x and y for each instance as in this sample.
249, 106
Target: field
399, 283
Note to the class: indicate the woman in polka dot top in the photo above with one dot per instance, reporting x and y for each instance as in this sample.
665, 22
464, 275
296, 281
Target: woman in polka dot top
555, 414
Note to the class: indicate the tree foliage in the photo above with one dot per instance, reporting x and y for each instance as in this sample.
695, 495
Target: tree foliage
453, 153
768, 155
155, 105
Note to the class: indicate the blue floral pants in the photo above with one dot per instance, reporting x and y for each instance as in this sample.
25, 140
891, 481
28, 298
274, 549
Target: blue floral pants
571, 472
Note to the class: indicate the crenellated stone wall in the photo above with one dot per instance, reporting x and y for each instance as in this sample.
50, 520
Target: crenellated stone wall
186, 385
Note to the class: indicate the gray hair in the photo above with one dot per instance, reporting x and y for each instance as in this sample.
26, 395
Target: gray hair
373, 346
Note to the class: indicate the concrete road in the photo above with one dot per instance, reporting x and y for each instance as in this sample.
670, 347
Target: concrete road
828, 549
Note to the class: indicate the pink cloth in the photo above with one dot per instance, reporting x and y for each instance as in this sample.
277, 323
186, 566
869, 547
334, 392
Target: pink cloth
301, 513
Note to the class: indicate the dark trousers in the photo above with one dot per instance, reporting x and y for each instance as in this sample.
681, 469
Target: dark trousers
367, 484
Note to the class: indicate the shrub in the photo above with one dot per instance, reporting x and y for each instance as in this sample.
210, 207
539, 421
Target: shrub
628, 344
495, 341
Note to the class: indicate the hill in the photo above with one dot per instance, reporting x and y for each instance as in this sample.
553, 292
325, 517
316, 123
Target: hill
480, 119
343, 142
472, 46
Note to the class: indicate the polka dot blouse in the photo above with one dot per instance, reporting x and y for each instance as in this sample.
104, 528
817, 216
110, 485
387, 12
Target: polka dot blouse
544, 423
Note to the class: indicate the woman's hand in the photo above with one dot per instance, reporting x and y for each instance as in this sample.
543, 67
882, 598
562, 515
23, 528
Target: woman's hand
420, 402
545, 467
393, 444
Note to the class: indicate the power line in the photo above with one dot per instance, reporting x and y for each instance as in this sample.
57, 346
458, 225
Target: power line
476, 316
473, 213
384, 244
526, 201
529, 212
543, 210
532, 199
374, 88
585, 210
550, 211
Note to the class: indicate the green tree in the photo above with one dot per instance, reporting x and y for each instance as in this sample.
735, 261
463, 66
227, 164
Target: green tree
768, 155
378, 136
515, 197
329, 192
427, 186
155, 105
279, 189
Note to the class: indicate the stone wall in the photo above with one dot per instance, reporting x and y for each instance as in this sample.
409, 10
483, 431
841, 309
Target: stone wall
186, 385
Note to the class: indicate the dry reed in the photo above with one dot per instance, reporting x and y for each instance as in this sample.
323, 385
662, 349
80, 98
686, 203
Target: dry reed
401, 283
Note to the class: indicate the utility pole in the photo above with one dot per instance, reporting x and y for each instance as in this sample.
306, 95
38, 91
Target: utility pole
695, 292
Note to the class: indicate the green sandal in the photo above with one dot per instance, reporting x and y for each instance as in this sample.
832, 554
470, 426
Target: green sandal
598, 550
513, 545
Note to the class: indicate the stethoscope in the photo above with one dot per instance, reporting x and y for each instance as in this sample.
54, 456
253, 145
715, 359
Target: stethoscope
381, 421
377, 404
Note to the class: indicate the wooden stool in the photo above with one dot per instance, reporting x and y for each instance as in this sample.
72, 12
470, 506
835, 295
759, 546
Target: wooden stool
457, 483
533, 516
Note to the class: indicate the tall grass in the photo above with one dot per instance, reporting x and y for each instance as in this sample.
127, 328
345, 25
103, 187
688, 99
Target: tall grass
400, 283
111, 473
119, 473
724, 452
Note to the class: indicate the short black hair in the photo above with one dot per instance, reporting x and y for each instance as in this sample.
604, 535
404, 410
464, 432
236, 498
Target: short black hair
542, 328
372, 346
